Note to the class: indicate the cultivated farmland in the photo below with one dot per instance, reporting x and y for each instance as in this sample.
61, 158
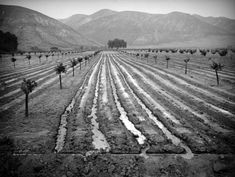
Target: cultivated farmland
121, 110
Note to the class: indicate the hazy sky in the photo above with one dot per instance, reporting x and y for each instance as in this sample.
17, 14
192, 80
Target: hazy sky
66, 8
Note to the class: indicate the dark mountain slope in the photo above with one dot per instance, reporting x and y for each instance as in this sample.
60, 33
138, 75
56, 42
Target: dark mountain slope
34, 29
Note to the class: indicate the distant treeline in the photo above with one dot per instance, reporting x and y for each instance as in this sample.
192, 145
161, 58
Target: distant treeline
117, 43
8, 42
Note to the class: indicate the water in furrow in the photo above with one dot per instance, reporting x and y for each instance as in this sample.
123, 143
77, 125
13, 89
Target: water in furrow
99, 140
175, 140
123, 115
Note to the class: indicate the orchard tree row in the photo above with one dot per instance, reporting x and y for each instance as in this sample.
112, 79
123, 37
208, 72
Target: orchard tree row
28, 85
204, 52
216, 66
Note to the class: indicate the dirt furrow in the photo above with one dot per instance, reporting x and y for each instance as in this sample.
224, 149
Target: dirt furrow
178, 102
12, 81
62, 130
118, 137
4, 77
184, 83
28, 69
219, 139
193, 139
228, 96
39, 76
15, 87
16, 96
175, 140
79, 131
16, 79
196, 63
118, 90
180, 65
166, 133
99, 140
192, 99
31, 74
25, 71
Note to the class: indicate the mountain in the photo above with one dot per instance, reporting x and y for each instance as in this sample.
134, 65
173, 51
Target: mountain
75, 21
220, 22
143, 29
34, 29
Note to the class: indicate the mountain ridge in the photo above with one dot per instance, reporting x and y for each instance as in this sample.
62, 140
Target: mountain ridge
34, 29
140, 28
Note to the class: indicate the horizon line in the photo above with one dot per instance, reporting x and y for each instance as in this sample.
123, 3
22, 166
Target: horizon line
118, 12
145, 13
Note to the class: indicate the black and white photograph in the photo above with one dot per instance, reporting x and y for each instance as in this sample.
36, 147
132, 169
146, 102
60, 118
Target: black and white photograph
117, 88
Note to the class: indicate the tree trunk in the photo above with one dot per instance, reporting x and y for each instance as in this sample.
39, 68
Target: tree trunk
26, 105
14, 64
29, 62
80, 65
217, 77
186, 65
73, 71
155, 61
60, 81
166, 63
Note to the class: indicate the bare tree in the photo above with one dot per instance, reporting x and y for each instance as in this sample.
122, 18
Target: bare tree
39, 58
46, 56
213, 51
186, 64
146, 55
217, 67
3, 85
27, 87
203, 52
181, 51
155, 58
73, 64
60, 68
192, 51
86, 59
167, 60
80, 61
29, 58
223, 52
137, 55
13, 60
